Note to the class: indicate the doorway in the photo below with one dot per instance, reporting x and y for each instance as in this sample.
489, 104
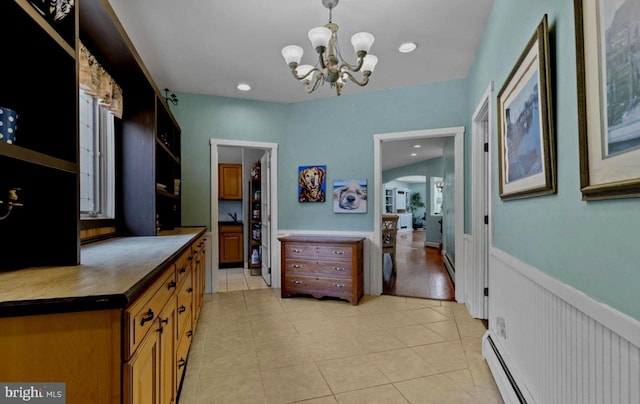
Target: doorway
269, 207
457, 201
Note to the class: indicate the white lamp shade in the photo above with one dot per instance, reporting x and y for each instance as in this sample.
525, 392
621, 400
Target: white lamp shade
319, 36
362, 41
304, 69
369, 63
292, 54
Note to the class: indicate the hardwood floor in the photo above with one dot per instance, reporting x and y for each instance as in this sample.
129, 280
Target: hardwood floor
420, 271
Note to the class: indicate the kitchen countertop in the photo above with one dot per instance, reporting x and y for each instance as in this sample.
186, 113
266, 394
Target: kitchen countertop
112, 273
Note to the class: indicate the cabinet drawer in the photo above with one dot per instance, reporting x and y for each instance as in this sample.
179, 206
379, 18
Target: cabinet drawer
325, 268
309, 285
183, 263
140, 315
323, 251
185, 306
182, 354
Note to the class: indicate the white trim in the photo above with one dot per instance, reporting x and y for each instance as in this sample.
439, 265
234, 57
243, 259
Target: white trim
477, 268
620, 323
375, 285
275, 252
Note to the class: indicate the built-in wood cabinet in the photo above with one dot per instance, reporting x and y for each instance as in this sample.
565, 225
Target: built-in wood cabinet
128, 352
41, 163
230, 243
322, 266
230, 182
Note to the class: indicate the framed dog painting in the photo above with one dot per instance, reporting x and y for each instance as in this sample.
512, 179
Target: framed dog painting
350, 196
311, 183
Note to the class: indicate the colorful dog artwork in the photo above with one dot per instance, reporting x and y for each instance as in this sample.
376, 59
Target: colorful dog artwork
311, 183
350, 196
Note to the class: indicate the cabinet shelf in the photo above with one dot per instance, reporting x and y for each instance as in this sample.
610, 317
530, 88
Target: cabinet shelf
34, 157
169, 152
167, 194
67, 25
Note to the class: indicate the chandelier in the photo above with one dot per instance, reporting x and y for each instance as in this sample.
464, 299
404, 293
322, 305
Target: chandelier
331, 67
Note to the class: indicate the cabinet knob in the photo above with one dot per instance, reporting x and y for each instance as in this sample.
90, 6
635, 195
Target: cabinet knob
183, 270
338, 252
296, 282
165, 321
182, 309
189, 290
339, 269
295, 250
147, 317
160, 330
297, 265
171, 285
338, 285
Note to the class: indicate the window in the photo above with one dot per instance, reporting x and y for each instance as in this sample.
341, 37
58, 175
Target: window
436, 196
97, 159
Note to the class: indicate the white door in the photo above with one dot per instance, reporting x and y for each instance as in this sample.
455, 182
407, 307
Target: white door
265, 189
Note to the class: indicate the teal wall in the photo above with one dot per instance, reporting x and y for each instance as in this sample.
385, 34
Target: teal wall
592, 246
336, 132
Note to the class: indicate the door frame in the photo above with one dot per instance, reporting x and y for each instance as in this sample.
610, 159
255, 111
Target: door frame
478, 269
457, 133
275, 252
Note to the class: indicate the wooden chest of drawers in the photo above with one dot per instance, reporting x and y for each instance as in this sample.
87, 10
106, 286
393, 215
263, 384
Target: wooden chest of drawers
322, 266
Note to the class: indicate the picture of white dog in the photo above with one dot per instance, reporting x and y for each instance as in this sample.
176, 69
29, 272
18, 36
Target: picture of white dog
350, 196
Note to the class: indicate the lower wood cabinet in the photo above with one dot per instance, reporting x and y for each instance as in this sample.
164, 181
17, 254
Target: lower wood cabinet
230, 244
322, 266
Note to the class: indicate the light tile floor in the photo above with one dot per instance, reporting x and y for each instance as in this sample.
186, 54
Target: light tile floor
233, 279
252, 346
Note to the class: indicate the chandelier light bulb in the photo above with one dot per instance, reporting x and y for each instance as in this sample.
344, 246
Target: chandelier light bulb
362, 41
292, 54
319, 36
369, 63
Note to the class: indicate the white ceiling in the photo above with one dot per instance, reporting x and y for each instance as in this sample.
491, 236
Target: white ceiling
397, 153
209, 46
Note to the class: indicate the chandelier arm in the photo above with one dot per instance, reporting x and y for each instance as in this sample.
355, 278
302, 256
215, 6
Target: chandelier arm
353, 68
316, 83
293, 71
362, 83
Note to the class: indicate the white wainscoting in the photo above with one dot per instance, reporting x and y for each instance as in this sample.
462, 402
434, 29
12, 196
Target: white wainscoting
558, 344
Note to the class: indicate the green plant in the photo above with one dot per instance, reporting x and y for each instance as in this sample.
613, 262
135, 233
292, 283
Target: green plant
416, 201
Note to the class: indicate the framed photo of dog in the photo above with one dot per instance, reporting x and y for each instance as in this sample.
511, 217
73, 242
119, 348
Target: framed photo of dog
311, 183
350, 196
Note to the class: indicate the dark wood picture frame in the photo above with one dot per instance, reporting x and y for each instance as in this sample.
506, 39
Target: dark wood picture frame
526, 144
603, 174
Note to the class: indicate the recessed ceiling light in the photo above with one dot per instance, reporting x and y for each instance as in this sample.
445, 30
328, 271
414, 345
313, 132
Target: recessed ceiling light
407, 47
414, 154
417, 146
244, 87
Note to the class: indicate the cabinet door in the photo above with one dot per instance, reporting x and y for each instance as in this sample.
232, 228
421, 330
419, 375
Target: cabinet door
231, 247
230, 181
142, 372
167, 330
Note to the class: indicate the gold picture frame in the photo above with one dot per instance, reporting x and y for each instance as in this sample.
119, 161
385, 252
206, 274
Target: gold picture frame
526, 146
608, 107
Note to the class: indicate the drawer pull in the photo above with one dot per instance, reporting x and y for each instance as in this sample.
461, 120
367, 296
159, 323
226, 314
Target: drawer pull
165, 321
296, 266
190, 258
181, 363
338, 285
171, 285
183, 270
338, 252
197, 261
160, 330
190, 290
189, 333
296, 282
339, 269
295, 250
182, 309
146, 318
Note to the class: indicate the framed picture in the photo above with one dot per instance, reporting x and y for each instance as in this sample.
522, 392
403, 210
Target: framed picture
526, 147
608, 68
311, 183
350, 196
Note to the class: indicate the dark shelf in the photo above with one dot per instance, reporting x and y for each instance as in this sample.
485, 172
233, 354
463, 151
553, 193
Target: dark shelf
169, 152
166, 194
21, 153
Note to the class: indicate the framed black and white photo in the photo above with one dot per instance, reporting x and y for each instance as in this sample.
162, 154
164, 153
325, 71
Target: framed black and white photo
526, 147
608, 65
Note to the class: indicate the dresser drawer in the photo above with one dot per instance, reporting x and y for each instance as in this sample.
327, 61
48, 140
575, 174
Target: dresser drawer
321, 251
325, 268
140, 315
329, 286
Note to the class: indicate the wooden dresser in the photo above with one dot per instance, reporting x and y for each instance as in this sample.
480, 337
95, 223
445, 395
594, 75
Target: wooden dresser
322, 266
